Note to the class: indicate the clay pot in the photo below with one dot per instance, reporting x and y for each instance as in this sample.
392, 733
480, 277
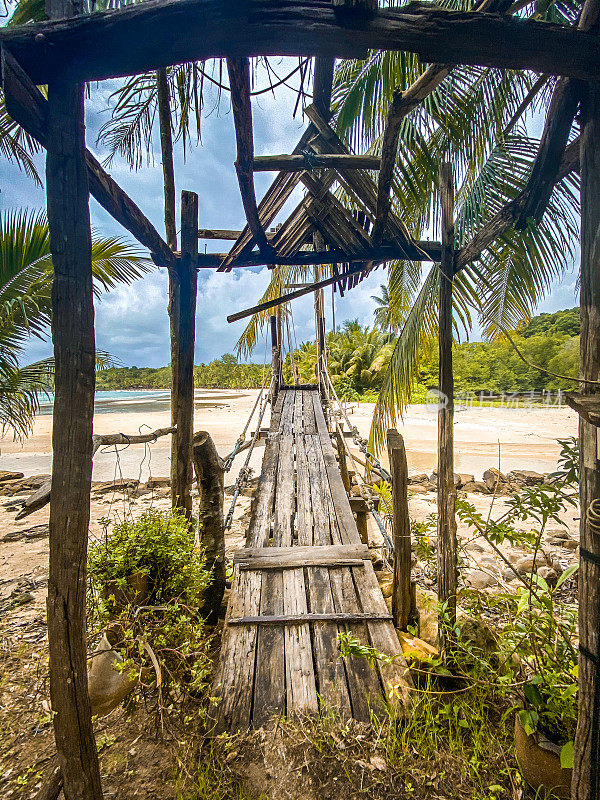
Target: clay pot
539, 762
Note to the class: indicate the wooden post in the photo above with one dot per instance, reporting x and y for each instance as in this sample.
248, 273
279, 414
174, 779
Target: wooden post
339, 439
586, 779
402, 603
447, 547
275, 357
184, 314
210, 480
72, 426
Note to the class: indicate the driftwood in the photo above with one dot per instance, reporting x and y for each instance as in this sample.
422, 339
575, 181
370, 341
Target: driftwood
210, 478
42, 496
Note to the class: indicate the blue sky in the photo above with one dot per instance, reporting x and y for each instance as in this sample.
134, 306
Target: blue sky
132, 322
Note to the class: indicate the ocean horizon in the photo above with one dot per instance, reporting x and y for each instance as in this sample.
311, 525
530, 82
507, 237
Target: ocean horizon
136, 401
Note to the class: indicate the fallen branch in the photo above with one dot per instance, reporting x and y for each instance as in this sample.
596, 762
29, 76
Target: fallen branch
42, 496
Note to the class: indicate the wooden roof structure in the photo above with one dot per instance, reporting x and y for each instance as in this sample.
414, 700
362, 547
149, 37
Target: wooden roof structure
354, 237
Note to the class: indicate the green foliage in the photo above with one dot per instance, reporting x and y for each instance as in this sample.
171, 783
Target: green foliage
25, 305
566, 322
222, 373
161, 631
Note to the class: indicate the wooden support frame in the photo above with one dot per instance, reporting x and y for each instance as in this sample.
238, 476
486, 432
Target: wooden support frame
446, 491
72, 424
309, 162
402, 104
183, 311
28, 106
175, 31
239, 81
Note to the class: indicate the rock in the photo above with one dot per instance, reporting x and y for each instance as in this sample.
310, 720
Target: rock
415, 649
421, 488
508, 575
549, 575
7, 475
37, 532
479, 634
558, 533
421, 478
158, 483
478, 579
491, 477
464, 478
428, 615
475, 486
120, 485
107, 686
570, 544
526, 477
526, 564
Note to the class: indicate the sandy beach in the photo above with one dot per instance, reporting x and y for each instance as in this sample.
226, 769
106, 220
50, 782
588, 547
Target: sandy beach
523, 438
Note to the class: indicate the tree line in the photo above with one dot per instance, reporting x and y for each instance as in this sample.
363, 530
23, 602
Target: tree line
359, 356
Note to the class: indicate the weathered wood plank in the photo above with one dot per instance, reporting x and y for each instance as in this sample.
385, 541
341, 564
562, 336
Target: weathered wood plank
176, 31
269, 682
259, 529
300, 617
234, 683
299, 554
300, 676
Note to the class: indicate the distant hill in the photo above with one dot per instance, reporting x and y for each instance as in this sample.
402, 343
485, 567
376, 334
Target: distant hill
565, 322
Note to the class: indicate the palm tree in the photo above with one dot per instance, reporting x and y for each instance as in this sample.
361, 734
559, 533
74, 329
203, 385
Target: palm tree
25, 306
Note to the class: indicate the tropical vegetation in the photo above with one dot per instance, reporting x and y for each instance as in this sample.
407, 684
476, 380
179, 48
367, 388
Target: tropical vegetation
25, 306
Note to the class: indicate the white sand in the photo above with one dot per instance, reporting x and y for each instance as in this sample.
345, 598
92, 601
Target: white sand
525, 438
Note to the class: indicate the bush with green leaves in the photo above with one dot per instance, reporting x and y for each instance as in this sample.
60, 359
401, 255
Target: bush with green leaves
159, 629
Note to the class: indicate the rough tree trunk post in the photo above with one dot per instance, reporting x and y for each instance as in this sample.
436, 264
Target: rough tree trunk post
446, 559
586, 767
185, 314
402, 609
74, 351
210, 479
275, 357
341, 448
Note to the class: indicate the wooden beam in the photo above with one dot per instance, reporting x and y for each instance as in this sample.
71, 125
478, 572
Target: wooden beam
210, 481
417, 251
402, 104
75, 361
402, 607
277, 301
508, 214
143, 37
218, 233
586, 774
559, 121
310, 161
184, 313
28, 106
447, 552
239, 82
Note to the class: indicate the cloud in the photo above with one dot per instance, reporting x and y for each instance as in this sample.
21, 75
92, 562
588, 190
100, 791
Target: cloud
131, 321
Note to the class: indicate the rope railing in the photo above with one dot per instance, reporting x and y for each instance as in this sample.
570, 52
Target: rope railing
246, 471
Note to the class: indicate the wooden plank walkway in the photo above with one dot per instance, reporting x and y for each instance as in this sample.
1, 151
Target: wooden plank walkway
303, 577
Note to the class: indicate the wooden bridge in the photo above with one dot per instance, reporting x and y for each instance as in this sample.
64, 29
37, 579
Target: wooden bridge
303, 577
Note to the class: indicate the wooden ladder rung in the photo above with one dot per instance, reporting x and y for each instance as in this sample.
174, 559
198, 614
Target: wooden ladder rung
302, 619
